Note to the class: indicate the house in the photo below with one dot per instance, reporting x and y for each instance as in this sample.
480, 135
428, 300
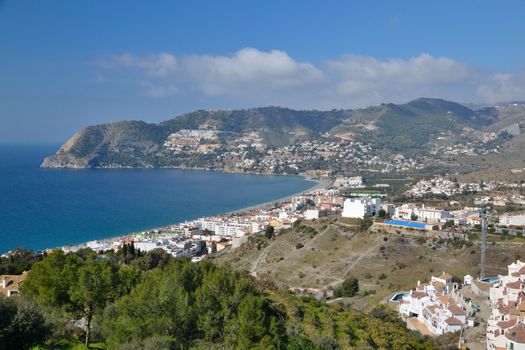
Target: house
432, 215
406, 211
433, 308
10, 284
389, 208
506, 324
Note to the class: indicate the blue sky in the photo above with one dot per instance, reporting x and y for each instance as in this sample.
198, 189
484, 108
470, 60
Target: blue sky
68, 64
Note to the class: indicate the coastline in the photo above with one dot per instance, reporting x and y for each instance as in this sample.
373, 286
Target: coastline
316, 184
319, 183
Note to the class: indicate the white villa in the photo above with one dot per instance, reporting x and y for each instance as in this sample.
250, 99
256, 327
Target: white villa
506, 324
432, 309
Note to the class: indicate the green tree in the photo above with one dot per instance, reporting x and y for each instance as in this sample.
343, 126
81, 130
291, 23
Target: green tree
381, 213
95, 288
449, 224
50, 280
22, 324
348, 288
252, 319
268, 231
155, 258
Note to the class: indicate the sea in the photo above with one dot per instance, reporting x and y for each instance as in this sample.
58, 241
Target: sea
46, 208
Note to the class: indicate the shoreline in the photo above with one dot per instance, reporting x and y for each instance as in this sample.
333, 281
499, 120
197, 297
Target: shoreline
317, 183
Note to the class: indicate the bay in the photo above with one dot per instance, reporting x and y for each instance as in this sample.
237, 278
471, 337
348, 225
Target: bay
46, 208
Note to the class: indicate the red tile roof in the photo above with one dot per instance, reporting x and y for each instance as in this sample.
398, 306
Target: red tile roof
419, 295
516, 333
514, 285
456, 310
452, 321
506, 324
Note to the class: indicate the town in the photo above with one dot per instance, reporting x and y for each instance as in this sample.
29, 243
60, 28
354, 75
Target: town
442, 305
329, 154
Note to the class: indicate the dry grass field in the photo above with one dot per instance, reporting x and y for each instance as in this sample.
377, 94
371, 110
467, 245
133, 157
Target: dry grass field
383, 262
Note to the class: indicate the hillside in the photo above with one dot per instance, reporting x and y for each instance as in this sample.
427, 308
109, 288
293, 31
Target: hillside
420, 134
153, 301
322, 253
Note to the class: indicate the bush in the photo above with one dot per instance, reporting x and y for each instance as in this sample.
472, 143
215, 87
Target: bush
365, 223
349, 288
268, 232
22, 324
299, 246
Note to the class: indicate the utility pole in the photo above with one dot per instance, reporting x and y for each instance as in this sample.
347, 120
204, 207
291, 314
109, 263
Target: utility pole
483, 244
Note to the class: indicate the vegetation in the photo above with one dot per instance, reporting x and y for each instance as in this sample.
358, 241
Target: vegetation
139, 144
22, 324
348, 288
177, 304
268, 231
365, 223
18, 261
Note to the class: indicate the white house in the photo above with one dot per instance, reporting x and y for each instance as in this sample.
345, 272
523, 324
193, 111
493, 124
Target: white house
506, 324
405, 211
389, 208
432, 215
433, 307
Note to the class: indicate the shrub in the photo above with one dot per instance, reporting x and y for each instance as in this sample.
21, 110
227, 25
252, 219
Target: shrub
348, 288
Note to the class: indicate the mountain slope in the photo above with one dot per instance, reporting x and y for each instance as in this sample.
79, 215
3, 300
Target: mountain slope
236, 140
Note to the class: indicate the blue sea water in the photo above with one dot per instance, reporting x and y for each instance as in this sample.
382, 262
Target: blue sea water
46, 208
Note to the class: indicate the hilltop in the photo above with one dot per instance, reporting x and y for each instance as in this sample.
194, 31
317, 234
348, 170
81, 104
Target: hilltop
422, 134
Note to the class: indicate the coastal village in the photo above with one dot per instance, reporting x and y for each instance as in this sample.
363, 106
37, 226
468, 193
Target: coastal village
441, 305
196, 238
340, 149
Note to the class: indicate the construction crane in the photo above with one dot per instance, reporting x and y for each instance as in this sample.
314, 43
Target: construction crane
483, 244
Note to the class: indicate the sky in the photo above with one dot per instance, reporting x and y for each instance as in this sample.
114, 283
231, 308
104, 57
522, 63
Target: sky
68, 64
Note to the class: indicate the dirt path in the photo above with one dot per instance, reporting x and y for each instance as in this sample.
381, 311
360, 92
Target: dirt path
354, 264
255, 264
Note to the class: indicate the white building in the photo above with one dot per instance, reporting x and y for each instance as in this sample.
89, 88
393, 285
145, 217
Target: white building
145, 246
360, 207
405, 211
512, 220
506, 324
389, 208
432, 215
431, 307
312, 214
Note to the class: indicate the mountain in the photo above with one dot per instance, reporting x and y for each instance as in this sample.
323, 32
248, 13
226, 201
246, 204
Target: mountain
139, 144
282, 140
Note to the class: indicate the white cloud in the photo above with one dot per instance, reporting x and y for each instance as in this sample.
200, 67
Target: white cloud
157, 65
357, 74
155, 90
251, 77
249, 68
503, 87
